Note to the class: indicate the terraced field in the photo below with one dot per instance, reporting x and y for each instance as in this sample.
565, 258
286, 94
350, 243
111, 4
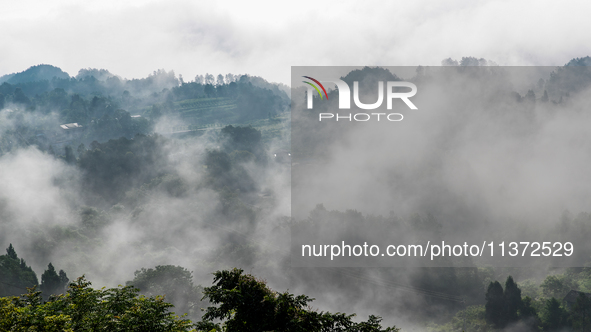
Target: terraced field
214, 113
208, 110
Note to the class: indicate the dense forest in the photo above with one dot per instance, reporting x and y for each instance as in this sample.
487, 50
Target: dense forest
155, 184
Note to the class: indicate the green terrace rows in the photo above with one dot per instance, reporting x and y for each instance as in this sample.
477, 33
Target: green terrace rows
207, 108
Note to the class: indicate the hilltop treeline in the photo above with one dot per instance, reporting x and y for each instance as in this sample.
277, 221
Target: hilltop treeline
106, 106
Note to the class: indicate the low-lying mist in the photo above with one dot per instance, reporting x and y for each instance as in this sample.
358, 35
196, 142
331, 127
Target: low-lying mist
483, 162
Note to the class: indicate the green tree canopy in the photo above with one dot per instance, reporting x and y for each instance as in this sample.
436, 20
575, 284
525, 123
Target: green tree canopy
53, 283
242, 138
513, 303
495, 305
581, 313
245, 304
554, 317
175, 283
15, 275
83, 308
556, 286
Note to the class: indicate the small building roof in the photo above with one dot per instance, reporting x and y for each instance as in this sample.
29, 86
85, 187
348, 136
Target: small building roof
571, 297
70, 126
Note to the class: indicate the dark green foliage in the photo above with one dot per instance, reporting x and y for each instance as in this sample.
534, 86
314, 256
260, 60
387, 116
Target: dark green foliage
512, 298
20, 97
111, 168
189, 91
242, 144
76, 111
85, 309
527, 308
504, 307
257, 103
209, 91
581, 313
15, 275
242, 138
175, 283
111, 122
556, 286
11, 252
554, 317
278, 89
69, 157
245, 303
495, 305
99, 106
58, 99
53, 283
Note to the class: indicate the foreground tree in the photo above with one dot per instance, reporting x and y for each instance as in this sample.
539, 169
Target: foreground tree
83, 308
246, 304
175, 283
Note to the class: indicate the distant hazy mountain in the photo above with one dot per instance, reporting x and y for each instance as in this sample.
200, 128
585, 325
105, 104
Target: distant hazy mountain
35, 73
586, 61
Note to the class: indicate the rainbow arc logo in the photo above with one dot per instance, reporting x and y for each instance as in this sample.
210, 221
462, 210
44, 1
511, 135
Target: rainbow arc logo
315, 87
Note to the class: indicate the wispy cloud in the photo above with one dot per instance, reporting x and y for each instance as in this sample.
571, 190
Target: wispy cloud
266, 38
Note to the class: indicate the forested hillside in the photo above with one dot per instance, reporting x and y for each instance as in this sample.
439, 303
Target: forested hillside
158, 183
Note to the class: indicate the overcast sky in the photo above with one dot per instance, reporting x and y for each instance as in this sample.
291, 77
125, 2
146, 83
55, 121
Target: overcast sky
265, 38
